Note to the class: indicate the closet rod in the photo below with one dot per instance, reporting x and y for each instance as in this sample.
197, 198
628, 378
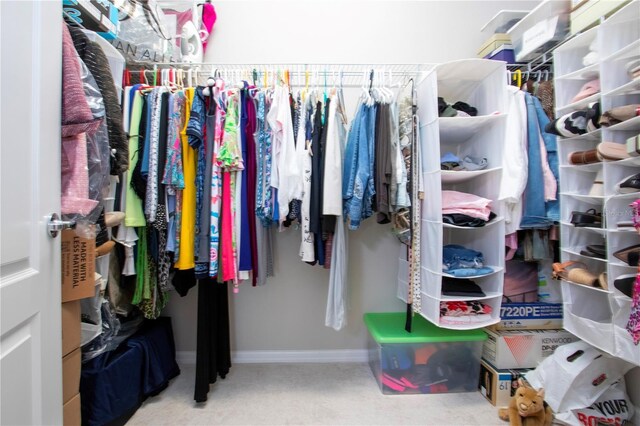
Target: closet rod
293, 69
301, 74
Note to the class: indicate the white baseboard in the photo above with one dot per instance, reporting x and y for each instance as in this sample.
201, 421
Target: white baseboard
268, 357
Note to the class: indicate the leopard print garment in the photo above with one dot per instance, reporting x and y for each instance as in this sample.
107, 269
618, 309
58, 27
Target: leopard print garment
546, 93
164, 262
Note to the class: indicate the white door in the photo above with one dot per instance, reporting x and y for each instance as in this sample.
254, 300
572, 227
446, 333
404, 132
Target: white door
30, 335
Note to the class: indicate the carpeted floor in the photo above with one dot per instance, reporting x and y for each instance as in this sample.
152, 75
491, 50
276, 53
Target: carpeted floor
307, 394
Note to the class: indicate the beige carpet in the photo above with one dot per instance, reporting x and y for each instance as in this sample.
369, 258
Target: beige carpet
307, 394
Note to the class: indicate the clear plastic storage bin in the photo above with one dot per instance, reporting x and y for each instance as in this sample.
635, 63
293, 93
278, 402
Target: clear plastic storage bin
427, 360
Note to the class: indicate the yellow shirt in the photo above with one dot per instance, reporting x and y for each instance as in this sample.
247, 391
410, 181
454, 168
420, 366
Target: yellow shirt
189, 164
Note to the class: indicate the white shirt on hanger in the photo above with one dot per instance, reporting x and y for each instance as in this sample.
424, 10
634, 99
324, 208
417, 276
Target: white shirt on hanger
514, 160
287, 171
332, 184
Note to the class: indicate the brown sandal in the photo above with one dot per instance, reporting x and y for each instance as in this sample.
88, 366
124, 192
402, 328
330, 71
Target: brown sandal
603, 282
575, 272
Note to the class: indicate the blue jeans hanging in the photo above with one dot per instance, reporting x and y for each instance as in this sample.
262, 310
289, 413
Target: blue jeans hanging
534, 214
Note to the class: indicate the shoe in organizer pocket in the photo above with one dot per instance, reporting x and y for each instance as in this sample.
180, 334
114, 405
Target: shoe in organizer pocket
629, 255
624, 284
629, 184
575, 272
598, 251
589, 218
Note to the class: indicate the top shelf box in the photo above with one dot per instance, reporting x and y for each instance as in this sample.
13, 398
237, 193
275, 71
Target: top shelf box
502, 21
541, 29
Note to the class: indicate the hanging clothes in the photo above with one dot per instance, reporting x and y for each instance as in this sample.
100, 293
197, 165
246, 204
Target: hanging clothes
514, 160
315, 206
231, 160
251, 161
93, 56
382, 163
336, 317
185, 259
356, 185
216, 183
134, 214
245, 253
213, 348
286, 173
307, 246
535, 215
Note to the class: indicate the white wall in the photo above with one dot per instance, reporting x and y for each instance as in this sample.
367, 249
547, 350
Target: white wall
288, 313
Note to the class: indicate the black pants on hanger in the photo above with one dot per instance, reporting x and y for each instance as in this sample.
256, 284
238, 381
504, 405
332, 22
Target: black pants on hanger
213, 356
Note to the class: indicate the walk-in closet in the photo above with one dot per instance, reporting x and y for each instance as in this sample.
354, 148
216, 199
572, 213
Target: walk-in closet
266, 212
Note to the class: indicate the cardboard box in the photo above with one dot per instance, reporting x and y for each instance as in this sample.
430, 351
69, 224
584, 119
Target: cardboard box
503, 53
530, 316
70, 326
522, 348
78, 266
492, 43
71, 367
588, 13
100, 16
71, 412
498, 386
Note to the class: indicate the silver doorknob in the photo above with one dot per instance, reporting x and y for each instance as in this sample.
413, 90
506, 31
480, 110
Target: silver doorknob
56, 225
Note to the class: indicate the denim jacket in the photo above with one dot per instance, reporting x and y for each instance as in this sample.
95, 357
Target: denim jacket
357, 184
535, 213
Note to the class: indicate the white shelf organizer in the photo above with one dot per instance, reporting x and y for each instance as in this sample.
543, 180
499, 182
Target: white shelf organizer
596, 316
480, 83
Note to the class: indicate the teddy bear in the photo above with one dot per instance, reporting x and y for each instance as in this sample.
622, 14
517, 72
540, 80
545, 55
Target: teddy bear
527, 408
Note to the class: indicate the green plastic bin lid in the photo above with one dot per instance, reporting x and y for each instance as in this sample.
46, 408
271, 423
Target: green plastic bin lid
388, 327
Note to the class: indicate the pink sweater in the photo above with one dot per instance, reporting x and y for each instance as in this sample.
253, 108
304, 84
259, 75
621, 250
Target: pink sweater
463, 203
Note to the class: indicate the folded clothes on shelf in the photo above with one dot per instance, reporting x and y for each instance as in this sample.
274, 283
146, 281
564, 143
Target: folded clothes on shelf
469, 319
619, 114
464, 308
450, 161
468, 204
466, 108
464, 220
470, 272
459, 109
460, 261
460, 287
457, 257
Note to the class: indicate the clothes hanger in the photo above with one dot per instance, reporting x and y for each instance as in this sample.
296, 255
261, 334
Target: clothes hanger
366, 89
517, 77
210, 83
180, 78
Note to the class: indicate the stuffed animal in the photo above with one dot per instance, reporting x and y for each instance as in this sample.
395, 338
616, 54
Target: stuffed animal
527, 408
